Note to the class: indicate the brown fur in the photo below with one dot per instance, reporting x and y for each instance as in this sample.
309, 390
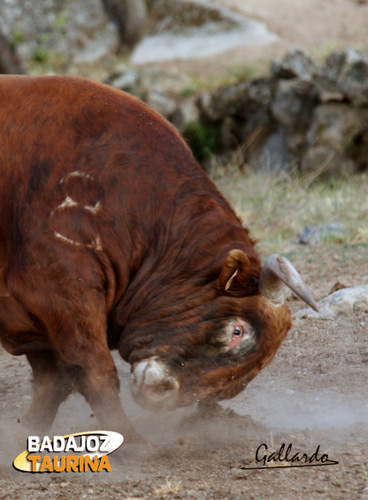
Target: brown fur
112, 237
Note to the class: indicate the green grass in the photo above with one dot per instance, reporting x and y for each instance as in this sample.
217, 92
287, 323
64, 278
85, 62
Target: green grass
229, 76
365, 474
276, 207
203, 140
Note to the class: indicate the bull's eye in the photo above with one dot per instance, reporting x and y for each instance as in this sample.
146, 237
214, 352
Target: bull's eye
238, 331
237, 335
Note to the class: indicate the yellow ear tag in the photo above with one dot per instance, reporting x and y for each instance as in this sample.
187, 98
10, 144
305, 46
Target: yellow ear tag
230, 280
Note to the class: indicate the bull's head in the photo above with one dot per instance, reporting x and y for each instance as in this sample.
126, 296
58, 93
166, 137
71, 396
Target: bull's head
212, 349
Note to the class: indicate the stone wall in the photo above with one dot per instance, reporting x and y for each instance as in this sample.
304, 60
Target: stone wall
304, 114
65, 34
313, 116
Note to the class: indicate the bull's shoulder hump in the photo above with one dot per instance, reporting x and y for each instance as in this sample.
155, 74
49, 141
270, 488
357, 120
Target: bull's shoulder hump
81, 93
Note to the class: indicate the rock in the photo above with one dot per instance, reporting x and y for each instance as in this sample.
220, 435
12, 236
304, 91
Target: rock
258, 96
180, 16
333, 125
323, 161
344, 75
355, 82
314, 235
217, 104
160, 103
256, 128
296, 142
243, 110
229, 137
89, 35
329, 138
297, 63
190, 29
74, 31
293, 103
170, 82
128, 80
275, 154
241, 99
328, 77
130, 17
186, 112
9, 60
141, 81
341, 302
357, 146
277, 121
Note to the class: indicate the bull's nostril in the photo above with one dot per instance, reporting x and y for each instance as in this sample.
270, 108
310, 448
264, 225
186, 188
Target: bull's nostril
138, 373
153, 385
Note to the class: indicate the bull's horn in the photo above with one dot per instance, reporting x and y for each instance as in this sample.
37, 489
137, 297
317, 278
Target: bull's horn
278, 269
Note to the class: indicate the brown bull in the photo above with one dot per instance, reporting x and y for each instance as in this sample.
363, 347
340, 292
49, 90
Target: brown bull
112, 237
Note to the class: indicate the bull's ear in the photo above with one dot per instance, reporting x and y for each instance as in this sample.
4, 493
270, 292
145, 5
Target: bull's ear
236, 270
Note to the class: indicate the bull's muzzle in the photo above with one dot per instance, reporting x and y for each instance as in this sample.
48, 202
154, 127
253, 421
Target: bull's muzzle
152, 385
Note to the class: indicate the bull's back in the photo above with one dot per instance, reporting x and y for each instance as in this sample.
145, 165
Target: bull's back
64, 122
51, 127
78, 158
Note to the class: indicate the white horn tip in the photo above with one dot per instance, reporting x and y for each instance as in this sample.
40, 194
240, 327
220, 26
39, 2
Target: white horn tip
278, 268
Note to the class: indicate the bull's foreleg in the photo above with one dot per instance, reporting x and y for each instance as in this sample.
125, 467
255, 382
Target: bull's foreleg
51, 386
82, 345
99, 384
76, 330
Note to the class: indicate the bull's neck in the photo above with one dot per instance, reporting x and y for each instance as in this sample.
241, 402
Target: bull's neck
179, 246
179, 276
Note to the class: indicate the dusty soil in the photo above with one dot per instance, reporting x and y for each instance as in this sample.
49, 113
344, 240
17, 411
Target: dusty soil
313, 394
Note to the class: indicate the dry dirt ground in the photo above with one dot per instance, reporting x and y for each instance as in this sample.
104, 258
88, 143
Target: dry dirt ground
314, 394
